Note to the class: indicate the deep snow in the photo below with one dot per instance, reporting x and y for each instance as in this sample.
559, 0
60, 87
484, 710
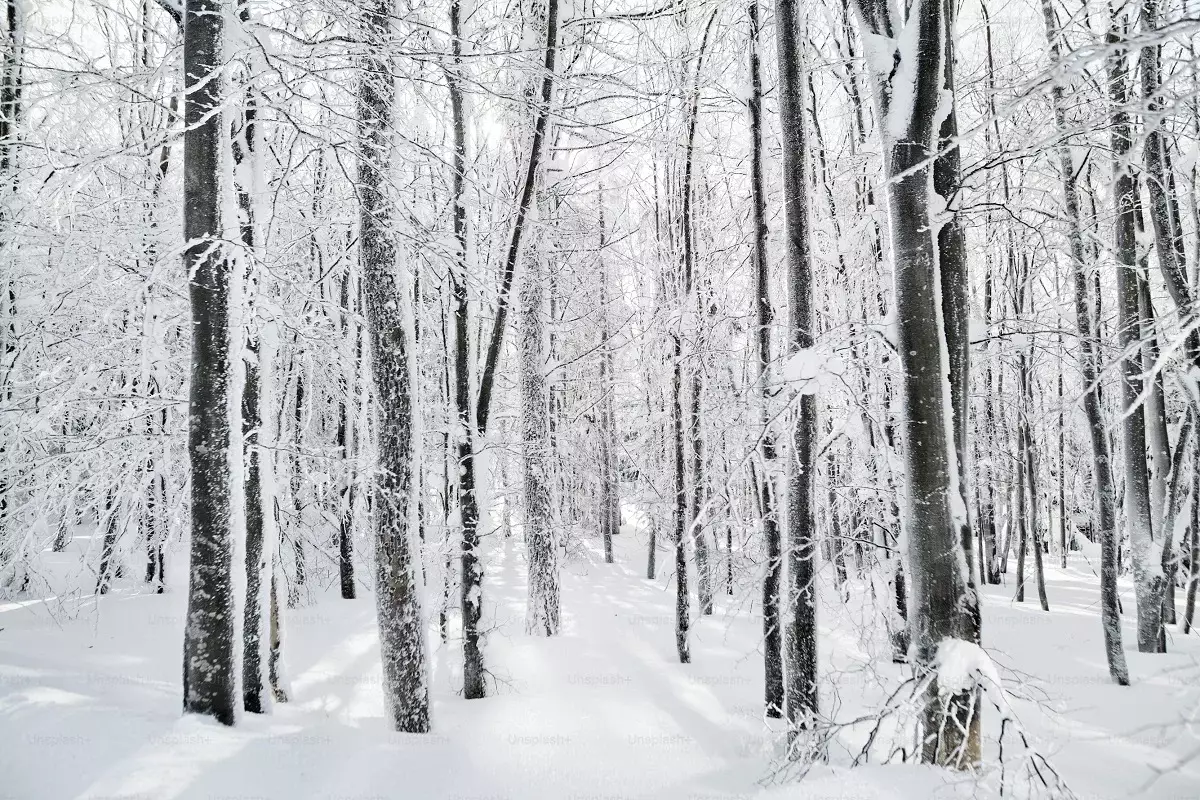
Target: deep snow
90, 700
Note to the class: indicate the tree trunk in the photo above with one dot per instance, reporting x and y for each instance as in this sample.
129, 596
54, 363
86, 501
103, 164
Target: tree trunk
1147, 570
252, 616
801, 630
397, 580
209, 668
256, 563
773, 578
346, 446
541, 547
472, 567
610, 490
938, 584
704, 572
1189, 609
108, 549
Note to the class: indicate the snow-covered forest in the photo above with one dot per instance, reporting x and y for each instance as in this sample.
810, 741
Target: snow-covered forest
599, 399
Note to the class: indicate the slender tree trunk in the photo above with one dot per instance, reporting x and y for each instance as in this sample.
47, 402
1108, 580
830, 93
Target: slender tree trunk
1189, 610
1158, 443
800, 646
1022, 514
346, 446
1031, 487
610, 497
541, 547
297, 487
682, 613
955, 301
11, 90
472, 567
704, 572
252, 614
1062, 460
1171, 560
108, 549
764, 317
256, 564
386, 301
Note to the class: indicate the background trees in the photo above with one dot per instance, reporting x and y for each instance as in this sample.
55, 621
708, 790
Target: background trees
731, 277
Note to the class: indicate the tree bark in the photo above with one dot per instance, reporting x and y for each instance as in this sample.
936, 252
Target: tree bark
1147, 569
800, 645
541, 546
397, 580
209, 668
346, 445
938, 584
764, 318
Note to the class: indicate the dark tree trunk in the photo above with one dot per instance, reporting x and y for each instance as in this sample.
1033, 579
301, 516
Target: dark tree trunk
938, 584
209, 676
682, 612
1189, 609
773, 578
243, 142
800, 632
704, 577
297, 486
610, 492
108, 549
472, 570
252, 617
955, 301
472, 567
346, 442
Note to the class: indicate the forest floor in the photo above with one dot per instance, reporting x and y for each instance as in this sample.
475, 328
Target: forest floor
90, 699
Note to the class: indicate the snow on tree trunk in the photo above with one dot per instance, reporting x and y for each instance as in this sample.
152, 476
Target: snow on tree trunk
699, 532
905, 57
800, 628
346, 441
1147, 566
773, 577
541, 545
386, 307
254, 629
210, 668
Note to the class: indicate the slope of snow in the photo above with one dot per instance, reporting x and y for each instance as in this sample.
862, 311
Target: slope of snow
90, 701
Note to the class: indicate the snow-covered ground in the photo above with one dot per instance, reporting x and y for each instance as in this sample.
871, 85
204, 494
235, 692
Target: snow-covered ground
90, 701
